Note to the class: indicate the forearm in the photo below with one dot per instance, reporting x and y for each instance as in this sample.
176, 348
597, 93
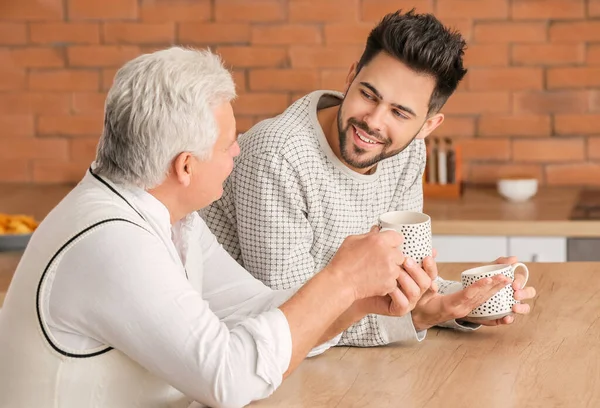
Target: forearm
315, 312
352, 315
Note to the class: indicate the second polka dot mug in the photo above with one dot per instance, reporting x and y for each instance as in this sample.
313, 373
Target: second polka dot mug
501, 303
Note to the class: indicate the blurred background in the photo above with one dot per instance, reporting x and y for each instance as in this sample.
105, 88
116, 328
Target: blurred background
529, 106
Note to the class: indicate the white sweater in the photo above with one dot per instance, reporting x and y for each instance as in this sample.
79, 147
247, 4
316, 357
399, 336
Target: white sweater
290, 202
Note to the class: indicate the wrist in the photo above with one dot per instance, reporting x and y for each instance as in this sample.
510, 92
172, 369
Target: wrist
341, 284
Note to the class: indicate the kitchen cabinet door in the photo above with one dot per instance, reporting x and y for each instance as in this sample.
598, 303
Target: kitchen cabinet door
460, 248
538, 249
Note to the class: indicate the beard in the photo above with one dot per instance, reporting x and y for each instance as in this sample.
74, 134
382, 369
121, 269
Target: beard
357, 157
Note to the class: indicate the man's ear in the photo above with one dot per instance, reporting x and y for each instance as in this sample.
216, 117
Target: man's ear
430, 125
350, 77
182, 168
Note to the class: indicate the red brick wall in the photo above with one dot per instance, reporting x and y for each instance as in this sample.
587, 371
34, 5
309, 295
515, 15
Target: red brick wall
529, 105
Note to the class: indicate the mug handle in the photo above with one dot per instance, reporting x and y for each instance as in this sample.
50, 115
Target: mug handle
514, 268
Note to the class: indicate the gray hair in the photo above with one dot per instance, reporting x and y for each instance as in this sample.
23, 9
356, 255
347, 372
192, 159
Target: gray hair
160, 105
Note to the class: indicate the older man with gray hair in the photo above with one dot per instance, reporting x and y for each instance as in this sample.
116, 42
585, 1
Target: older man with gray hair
123, 296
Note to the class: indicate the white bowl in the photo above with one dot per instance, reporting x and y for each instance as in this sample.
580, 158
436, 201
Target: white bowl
517, 190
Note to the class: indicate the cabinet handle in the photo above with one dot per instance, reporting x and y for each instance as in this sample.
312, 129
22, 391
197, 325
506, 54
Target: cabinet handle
534, 258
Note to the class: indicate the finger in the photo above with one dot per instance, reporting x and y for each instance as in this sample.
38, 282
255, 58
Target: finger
498, 322
519, 282
420, 277
430, 267
506, 260
399, 301
434, 252
521, 308
409, 287
392, 238
478, 293
375, 228
526, 293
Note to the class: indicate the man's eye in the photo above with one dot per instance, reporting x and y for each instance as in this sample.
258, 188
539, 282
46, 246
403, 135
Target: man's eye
399, 114
366, 95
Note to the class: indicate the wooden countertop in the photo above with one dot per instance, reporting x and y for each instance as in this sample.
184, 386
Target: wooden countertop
550, 358
482, 211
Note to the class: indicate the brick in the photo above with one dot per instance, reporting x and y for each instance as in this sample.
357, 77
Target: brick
342, 56
547, 9
551, 102
101, 55
13, 34
174, 11
221, 33
32, 57
580, 77
139, 33
239, 79
593, 147
334, 79
261, 104
575, 31
514, 125
16, 125
586, 174
551, 150
253, 56
374, 10
594, 8
32, 10
456, 126
577, 124
83, 149
284, 80
463, 103
246, 11
548, 54
108, 76
593, 54
64, 33
243, 123
35, 102
485, 149
15, 171
104, 10
476, 9
594, 99
323, 11
487, 55
56, 171
284, 34
88, 102
71, 125
490, 173
64, 80
12, 79
33, 148
347, 33
496, 79
488, 32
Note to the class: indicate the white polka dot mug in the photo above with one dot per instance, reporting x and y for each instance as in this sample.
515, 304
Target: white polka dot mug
416, 229
501, 303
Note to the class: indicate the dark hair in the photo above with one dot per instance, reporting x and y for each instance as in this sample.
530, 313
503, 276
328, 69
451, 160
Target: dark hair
422, 43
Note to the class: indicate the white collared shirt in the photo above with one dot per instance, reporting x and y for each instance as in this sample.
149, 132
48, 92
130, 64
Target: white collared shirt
217, 330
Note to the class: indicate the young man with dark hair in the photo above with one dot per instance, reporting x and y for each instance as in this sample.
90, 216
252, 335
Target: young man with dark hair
330, 164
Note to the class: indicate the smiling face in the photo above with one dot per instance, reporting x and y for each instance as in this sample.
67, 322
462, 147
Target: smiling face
385, 107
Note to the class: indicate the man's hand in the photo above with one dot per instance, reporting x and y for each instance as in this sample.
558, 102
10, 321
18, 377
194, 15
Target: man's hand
416, 283
521, 293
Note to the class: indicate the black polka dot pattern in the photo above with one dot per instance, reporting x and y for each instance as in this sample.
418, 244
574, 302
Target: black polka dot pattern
502, 302
417, 236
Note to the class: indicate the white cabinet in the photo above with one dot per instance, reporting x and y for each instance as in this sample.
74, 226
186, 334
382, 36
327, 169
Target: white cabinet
465, 248
461, 248
538, 249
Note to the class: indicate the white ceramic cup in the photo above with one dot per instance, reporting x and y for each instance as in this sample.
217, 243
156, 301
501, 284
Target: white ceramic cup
415, 227
501, 303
